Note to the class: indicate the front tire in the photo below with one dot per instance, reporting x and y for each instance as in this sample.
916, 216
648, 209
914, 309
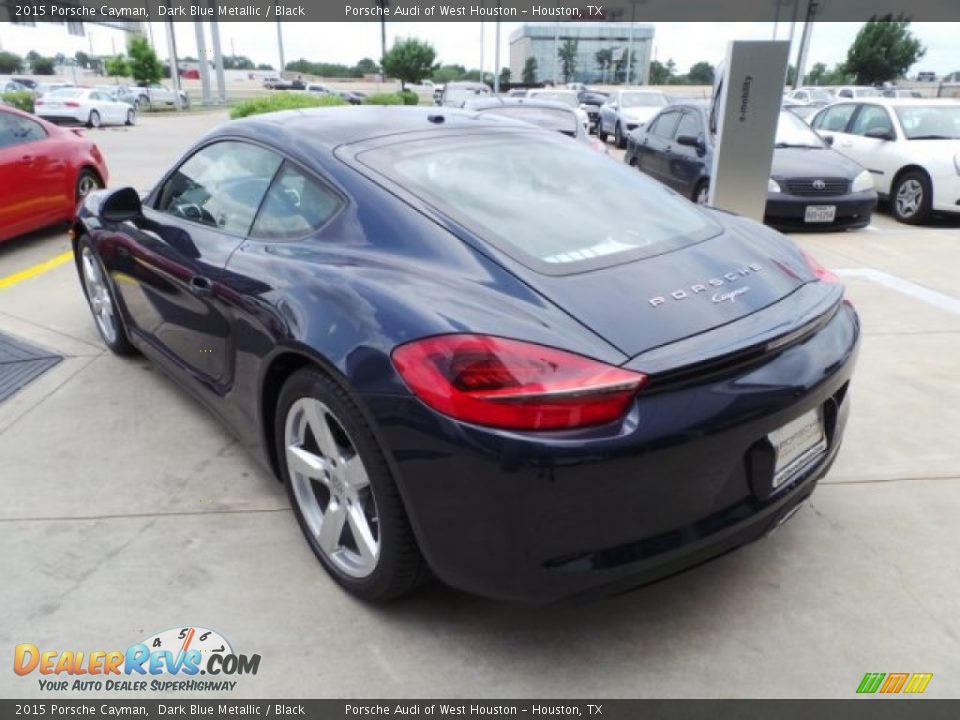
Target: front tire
131, 117
911, 198
600, 133
618, 136
87, 182
101, 299
93, 121
701, 196
342, 490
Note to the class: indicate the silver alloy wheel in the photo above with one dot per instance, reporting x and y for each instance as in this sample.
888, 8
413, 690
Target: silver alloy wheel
332, 488
101, 304
86, 185
909, 198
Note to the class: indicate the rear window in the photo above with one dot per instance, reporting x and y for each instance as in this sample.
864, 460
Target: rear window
556, 206
547, 118
67, 92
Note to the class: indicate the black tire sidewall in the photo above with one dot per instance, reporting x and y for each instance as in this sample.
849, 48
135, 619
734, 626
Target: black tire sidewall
925, 211
94, 113
381, 584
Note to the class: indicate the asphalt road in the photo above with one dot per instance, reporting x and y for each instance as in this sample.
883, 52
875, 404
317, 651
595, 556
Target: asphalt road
125, 510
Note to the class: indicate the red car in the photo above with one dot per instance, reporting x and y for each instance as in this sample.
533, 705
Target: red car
45, 170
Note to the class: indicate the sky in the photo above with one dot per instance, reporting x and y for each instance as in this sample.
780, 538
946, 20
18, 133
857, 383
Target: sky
460, 42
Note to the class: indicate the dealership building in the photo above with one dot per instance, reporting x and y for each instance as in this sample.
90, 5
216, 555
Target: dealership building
543, 42
47, 37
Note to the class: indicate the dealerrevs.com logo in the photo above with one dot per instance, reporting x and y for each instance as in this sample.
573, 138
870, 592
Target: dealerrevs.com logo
171, 660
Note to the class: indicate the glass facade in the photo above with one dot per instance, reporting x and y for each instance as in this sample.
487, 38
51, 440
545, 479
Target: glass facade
599, 51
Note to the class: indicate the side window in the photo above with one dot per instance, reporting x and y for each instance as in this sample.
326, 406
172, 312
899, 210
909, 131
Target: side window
667, 124
16, 130
652, 125
801, 95
872, 117
845, 93
295, 206
836, 118
689, 125
220, 185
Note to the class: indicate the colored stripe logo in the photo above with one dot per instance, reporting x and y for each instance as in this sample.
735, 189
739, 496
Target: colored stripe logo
894, 683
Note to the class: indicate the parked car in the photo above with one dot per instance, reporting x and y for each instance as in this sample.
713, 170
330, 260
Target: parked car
133, 96
900, 93
804, 111
564, 97
811, 187
271, 82
590, 102
354, 98
626, 110
554, 116
160, 94
45, 171
391, 307
9, 85
912, 148
86, 106
856, 91
438, 94
455, 94
28, 83
318, 89
926, 77
816, 96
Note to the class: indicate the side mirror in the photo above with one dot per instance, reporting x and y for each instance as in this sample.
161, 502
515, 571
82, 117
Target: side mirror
688, 140
828, 139
121, 205
879, 134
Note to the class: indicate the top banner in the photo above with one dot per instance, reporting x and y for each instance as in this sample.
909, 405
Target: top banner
475, 11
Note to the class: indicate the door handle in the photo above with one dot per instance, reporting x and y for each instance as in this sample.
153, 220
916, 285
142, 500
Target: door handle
201, 286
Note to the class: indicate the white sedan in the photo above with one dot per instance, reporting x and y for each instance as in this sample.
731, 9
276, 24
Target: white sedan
911, 148
86, 106
565, 97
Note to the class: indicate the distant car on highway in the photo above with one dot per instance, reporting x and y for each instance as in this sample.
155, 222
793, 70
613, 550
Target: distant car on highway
46, 171
911, 146
811, 187
856, 91
626, 110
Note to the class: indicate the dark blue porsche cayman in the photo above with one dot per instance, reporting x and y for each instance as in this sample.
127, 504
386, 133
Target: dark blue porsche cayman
477, 349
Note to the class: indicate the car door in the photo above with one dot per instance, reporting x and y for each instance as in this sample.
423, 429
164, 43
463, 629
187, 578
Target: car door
169, 274
683, 165
659, 143
872, 141
101, 103
32, 178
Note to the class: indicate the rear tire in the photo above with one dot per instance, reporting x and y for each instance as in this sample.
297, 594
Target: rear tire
701, 193
342, 490
131, 117
87, 182
600, 133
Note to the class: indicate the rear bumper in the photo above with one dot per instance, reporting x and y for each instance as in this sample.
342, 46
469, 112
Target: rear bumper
786, 212
65, 115
684, 478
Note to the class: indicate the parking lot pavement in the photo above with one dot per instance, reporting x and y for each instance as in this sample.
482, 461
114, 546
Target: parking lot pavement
125, 509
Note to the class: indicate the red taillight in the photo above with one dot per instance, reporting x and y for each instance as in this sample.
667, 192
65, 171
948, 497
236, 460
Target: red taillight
516, 385
37, 102
71, 103
819, 270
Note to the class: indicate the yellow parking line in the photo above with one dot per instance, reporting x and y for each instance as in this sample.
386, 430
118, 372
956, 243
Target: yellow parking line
35, 270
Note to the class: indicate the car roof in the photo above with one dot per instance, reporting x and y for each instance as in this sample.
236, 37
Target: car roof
323, 129
904, 102
496, 102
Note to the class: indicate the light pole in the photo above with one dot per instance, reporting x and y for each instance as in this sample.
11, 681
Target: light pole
280, 47
812, 6
496, 58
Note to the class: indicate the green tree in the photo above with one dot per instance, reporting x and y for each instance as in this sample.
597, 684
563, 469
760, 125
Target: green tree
447, 73
264, 66
409, 61
792, 74
567, 53
530, 70
504, 77
659, 75
237, 62
83, 60
883, 50
116, 67
40, 65
10, 62
367, 66
604, 60
817, 74
145, 66
701, 73
620, 66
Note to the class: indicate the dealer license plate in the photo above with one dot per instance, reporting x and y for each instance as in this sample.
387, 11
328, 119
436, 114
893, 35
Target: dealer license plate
797, 445
820, 213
